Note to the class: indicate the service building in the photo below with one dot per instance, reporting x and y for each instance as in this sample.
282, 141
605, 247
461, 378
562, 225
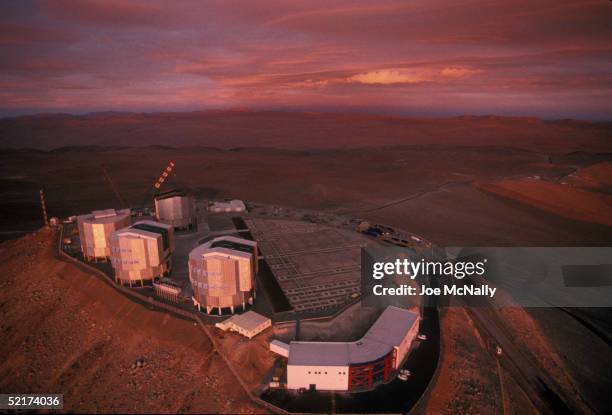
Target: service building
352, 366
249, 324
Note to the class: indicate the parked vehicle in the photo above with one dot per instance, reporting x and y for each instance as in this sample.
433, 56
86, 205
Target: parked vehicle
403, 375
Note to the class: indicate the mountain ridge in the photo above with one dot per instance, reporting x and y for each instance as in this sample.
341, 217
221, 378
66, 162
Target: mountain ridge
298, 130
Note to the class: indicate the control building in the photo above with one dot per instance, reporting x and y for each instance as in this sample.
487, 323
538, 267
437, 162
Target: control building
176, 208
352, 366
142, 252
222, 273
96, 228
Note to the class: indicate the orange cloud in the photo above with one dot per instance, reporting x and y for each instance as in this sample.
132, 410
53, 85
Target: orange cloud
416, 76
380, 54
458, 72
387, 76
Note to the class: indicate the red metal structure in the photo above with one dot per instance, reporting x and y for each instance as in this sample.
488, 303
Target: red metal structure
368, 375
162, 178
43, 207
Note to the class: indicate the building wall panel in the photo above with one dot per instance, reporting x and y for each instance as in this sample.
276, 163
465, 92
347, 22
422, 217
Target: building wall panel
323, 377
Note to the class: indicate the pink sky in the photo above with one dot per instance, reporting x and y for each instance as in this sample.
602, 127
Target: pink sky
427, 57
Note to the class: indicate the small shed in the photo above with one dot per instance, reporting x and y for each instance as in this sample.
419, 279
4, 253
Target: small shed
279, 348
249, 324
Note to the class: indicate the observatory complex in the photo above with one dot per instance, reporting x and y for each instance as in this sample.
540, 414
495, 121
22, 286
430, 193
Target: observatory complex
176, 208
352, 366
142, 252
222, 273
96, 228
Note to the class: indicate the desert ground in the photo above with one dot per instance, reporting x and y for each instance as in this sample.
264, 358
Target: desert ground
441, 192
464, 181
298, 130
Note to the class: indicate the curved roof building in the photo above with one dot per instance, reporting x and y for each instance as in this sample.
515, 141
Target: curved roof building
176, 208
228, 206
142, 252
222, 273
358, 365
96, 228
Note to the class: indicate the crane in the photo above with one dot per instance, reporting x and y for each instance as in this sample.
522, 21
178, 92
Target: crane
112, 185
165, 174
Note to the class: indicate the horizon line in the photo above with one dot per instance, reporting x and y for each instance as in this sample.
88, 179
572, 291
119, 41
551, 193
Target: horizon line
318, 111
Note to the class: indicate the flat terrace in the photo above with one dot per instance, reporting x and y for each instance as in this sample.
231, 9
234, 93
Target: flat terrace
317, 267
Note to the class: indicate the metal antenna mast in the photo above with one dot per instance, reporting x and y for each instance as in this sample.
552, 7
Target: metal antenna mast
43, 207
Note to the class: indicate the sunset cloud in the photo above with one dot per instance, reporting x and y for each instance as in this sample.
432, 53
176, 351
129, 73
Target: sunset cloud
387, 76
542, 58
415, 76
458, 72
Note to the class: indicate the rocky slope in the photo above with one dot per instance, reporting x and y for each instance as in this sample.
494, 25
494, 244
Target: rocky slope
66, 331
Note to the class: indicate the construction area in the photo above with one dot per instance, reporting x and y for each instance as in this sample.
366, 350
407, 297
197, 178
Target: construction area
317, 267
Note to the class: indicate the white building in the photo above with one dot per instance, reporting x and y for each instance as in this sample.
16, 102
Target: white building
228, 206
280, 348
353, 366
249, 324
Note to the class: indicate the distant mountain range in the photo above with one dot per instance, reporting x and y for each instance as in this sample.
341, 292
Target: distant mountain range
298, 130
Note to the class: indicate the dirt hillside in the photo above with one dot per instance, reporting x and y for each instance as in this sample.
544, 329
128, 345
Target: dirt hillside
567, 201
66, 331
